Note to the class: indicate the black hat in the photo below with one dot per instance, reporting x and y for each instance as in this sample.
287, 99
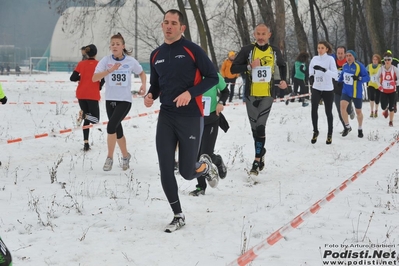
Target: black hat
91, 50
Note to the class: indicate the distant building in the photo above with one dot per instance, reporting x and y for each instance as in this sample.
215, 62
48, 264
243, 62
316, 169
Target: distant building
68, 36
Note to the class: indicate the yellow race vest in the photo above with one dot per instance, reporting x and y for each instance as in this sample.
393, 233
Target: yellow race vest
262, 76
373, 75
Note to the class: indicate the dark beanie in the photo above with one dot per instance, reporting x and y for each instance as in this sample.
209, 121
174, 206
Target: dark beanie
352, 52
91, 50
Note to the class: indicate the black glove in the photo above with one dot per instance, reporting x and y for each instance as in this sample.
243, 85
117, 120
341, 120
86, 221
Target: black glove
102, 81
4, 100
311, 80
317, 67
355, 77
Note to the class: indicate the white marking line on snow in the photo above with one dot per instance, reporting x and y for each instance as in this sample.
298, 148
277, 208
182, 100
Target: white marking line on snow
68, 130
252, 253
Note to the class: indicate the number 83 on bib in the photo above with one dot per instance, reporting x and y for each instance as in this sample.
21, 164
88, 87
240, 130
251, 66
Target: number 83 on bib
262, 74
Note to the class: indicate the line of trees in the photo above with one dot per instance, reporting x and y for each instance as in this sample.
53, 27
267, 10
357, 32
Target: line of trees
366, 26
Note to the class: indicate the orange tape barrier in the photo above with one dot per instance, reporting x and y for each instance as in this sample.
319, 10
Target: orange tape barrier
59, 102
39, 81
104, 123
68, 130
275, 100
253, 253
42, 103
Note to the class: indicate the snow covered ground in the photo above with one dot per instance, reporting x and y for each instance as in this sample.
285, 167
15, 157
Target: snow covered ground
58, 207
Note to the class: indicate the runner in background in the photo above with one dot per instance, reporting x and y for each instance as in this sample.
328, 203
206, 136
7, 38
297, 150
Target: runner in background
322, 70
213, 118
372, 87
388, 84
353, 76
258, 61
395, 63
300, 78
229, 78
87, 92
3, 98
340, 60
117, 70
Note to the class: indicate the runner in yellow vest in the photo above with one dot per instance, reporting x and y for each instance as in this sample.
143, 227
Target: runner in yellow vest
257, 62
3, 98
372, 87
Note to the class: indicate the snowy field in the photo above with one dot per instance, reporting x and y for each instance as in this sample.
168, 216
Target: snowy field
58, 207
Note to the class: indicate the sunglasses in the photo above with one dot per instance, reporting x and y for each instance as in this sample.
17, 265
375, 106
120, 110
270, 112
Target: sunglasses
387, 59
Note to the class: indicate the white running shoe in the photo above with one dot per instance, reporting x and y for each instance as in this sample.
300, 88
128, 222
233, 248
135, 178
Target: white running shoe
125, 162
177, 223
211, 173
108, 164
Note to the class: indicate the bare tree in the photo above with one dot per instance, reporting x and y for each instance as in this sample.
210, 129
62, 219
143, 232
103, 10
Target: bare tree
200, 25
364, 37
224, 24
182, 9
266, 12
350, 15
299, 30
279, 33
227, 25
314, 26
375, 25
241, 22
252, 12
393, 27
322, 22
208, 33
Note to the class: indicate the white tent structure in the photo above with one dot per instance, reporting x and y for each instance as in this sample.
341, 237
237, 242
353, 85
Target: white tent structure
81, 26
74, 31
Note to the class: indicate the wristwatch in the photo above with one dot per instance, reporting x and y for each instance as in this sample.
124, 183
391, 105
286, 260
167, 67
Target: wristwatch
249, 67
221, 102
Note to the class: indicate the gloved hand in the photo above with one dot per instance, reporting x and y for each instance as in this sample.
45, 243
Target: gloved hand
317, 67
356, 77
102, 81
311, 80
4, 100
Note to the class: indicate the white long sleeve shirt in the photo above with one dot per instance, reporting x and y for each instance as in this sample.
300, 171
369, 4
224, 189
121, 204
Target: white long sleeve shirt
118, 84
323, 80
